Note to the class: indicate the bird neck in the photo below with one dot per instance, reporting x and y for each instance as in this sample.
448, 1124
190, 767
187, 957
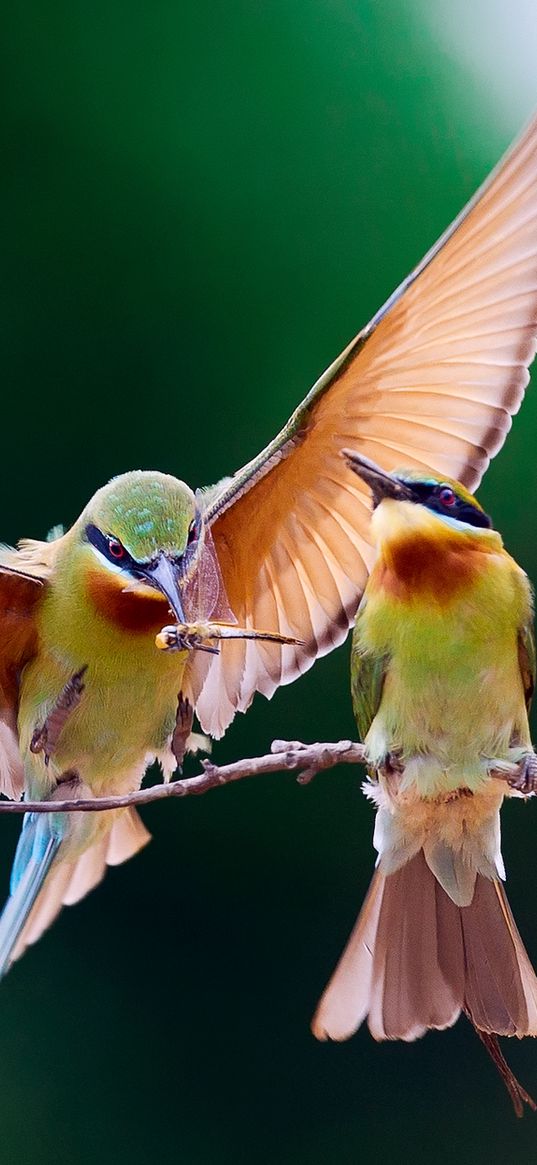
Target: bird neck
422, 553
83, 594
396, 521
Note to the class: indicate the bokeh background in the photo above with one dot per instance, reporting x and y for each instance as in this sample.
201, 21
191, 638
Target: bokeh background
201, 202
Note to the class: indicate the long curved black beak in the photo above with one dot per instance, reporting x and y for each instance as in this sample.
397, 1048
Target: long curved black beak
382, 484
165, 576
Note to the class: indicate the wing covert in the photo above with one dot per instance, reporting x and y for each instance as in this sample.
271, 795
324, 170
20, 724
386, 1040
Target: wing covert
19, 594
527, 662
367, 680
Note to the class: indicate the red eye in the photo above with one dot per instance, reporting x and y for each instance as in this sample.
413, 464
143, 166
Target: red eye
115, 549
447, 497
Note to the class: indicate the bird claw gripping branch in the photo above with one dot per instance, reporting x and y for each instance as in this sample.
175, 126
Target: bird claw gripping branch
526, 780
203, 636
183, 728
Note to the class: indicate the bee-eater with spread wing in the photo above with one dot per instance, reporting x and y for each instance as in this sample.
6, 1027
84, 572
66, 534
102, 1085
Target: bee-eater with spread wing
284, 545
442, 673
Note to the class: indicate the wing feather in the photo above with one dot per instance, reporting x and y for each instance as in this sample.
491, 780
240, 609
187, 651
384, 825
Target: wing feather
19, 595
527, 662
431, 383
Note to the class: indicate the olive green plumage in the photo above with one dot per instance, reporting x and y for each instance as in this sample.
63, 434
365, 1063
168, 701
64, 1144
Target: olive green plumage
442, 674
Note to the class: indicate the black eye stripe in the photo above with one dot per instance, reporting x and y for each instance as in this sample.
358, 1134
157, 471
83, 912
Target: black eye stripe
102, 543
93, 535
429, 494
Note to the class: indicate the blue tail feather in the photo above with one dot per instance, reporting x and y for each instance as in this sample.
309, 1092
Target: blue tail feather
38, 845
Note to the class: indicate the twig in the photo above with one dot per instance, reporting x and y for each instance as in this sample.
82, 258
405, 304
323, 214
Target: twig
285, 755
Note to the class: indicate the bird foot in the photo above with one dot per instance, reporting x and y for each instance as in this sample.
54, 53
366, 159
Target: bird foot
389, 771
67, 782
391, 766
525, 780
183, 728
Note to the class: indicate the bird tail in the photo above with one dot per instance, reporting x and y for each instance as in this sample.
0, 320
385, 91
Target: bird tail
41, 882
416, 959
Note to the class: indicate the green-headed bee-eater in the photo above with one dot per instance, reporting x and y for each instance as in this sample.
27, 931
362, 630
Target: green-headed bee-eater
442, 674
284, 546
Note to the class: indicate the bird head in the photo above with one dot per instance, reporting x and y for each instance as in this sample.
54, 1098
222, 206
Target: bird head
143, 529
442, 497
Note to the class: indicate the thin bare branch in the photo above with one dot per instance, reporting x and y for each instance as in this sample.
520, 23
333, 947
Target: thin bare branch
285, 755
289, 756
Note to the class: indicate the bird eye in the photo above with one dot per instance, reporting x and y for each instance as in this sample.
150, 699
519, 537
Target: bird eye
447, 496
115, 549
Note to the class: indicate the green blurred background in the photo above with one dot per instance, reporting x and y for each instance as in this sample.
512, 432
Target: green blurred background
201, 203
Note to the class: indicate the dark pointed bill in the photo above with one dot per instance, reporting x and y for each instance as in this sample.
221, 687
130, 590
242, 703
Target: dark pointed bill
166, 578
382, 484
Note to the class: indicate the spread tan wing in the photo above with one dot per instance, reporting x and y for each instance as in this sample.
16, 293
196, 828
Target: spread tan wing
430, 383
20, 592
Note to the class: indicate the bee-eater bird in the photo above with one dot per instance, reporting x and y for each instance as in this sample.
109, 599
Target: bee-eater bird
442, 673
284, 545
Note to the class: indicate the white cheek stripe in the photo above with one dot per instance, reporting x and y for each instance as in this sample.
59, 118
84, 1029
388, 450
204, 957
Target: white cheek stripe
111, 566
456, 524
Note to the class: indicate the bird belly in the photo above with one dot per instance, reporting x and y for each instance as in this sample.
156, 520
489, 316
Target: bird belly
125, 716
452, 699
448, 730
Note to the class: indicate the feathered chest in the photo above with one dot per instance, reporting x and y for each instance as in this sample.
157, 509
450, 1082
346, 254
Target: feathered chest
431, 584
136, 611
430, 569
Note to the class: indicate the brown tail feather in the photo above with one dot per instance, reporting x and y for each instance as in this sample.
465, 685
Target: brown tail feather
346, 1000
415, 960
